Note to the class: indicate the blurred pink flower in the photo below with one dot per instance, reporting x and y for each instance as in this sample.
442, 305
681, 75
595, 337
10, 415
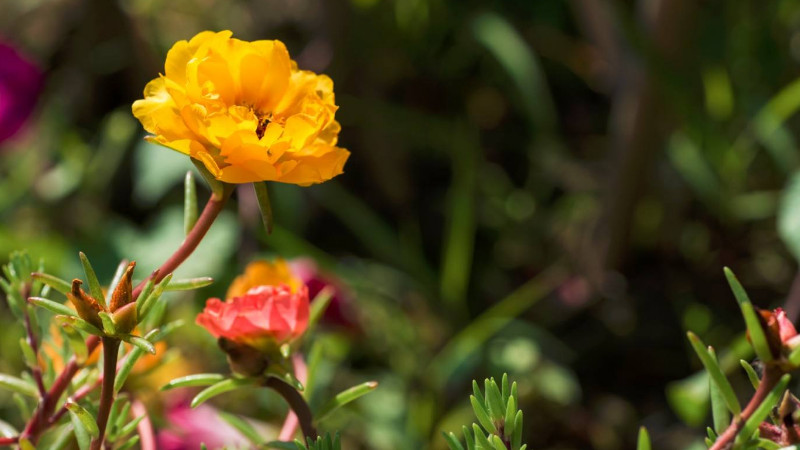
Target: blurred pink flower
189, 428
338, 312
20, 85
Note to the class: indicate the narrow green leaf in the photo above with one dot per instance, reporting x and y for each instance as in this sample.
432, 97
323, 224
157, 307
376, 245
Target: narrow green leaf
494, 400
22, 404
243, 427
516, 439
189, 284
122, 417
52, 306
63, 438
144, 295
719, 410
79, 324
151, 299
217, 187
200, 379
763, 410
130, 426
140, 342
346, 397
76, 342
81, 433
264, 205
643, 443
319, 305
497, 443
117, 275
189, 202
219, 388
18, 385
794, 357
757, 336
281, 445
506, 390
54, 282
84, 417
751, 373
511, 411
452, 441
28, 354
26, 444
482, 415
109, 327
91, 279
127, 365
715, 373
476, 391
7, 430
481, 441
129, 443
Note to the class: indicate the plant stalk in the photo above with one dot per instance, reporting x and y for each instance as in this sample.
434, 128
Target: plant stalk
297, 403
110, 354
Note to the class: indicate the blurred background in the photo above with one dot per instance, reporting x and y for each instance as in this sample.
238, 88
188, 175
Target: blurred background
547, 188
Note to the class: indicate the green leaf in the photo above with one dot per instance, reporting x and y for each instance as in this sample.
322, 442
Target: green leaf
751, 373
140, 343
643, 443
281, 445
481, 441
187, 284
129, 443
79, 324
763, 410
757, 336
199, 379
264, 205
346, 397
26, 444
715, 373
85, 418
476, 391
516, 439
145, 294
91, 279
221, 387
148, 303
494, 400
243, 427
76, 342
452, 441
109, 327
54, 282
52, 306
7, 430
127, 365
28, 354
319, 305
189, 202
482, 415
18, 385
511, 411
81, 433
719, 410
63, 438
130, 426
217, 187
794, 357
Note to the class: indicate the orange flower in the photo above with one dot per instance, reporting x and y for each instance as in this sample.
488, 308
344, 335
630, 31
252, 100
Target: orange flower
264, 273
263, 317
245, 111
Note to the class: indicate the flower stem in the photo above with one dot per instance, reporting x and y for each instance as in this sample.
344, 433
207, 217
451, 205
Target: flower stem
201, 227
110, 353
8, 441
772, 375
296, 402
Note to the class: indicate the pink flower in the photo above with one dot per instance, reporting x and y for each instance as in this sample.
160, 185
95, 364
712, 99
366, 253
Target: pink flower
265, 315
20, 85
189, 428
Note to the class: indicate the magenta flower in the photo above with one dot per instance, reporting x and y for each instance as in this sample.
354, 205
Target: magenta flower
20, 85
189, 428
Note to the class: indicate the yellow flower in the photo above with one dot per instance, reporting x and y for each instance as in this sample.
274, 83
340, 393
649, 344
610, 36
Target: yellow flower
263, 273
245, 111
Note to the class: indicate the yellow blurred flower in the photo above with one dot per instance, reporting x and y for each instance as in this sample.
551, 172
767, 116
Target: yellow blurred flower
245, 111
264, 273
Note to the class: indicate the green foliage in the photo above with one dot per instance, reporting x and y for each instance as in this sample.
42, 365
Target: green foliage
496, 409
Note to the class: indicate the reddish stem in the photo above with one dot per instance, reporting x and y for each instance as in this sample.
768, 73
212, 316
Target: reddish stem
297, 404
209, 214
110, 354
289, 427
8, 441
771, 377
145, 428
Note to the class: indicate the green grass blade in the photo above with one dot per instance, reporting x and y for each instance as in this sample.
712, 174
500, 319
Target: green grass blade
715, 373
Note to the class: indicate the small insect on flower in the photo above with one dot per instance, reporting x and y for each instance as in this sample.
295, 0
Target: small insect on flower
245, 111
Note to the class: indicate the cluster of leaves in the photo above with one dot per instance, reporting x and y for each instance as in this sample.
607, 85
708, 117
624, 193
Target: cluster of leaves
499, 417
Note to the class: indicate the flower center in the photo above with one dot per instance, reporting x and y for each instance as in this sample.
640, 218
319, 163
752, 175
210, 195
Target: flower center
263, 121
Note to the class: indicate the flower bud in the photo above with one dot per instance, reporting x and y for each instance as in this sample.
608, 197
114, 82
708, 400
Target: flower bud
87, 307
125, 318
244, 359
122, 293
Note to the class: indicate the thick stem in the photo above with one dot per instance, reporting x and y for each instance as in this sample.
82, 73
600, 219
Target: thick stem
289, 427
771, 377
110, 353
296, 402
201, 227
8, 441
